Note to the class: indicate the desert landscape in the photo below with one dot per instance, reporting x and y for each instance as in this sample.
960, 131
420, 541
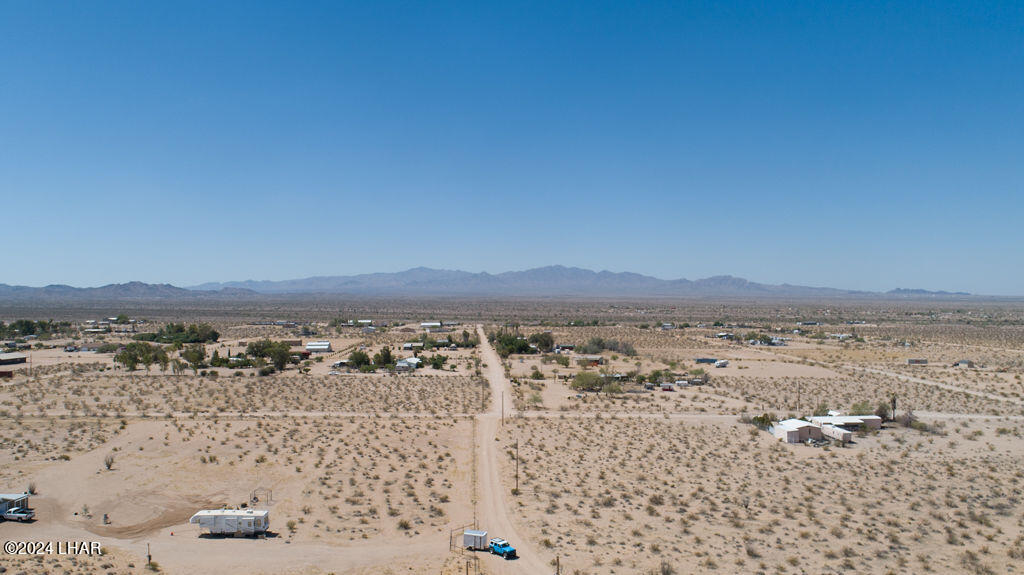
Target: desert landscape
613, 444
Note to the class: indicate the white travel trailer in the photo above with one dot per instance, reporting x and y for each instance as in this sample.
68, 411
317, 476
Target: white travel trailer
237, 522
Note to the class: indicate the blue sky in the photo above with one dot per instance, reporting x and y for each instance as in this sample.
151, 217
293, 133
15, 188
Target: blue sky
865, 146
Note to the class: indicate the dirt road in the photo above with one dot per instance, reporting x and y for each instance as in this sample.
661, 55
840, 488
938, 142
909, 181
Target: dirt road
494, 508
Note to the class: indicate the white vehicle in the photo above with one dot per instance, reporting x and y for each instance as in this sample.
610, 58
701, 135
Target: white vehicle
14, 507
237, 522
18, 514
722, 363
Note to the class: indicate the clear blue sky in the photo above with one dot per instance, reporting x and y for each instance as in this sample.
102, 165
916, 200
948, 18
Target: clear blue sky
856, 145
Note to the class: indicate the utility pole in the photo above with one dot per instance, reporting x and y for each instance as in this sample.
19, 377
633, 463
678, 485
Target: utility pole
503, 408
558, 565
517, 467
149, 557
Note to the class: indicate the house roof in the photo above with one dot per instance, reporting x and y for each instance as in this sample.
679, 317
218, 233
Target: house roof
12, 496
794, 424
232, 512
9, 356
845, 419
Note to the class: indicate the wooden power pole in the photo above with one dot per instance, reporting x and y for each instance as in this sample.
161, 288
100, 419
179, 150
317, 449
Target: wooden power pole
517, 467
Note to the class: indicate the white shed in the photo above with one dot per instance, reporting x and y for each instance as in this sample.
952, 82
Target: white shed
319, 346
237, 522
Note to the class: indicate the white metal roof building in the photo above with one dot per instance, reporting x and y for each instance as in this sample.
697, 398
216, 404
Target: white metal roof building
319, 346
868, 421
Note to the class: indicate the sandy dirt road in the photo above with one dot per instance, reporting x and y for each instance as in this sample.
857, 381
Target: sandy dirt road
494, 507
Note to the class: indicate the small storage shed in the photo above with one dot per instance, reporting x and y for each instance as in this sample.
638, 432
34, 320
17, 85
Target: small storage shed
237, 522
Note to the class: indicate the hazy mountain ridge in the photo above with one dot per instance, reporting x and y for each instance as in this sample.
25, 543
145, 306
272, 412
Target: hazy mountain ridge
550, 281
125, 291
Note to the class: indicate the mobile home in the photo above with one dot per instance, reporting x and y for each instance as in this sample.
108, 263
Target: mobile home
237, 522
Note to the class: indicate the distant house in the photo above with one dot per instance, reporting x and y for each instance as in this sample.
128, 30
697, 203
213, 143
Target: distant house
369, 329
564, 348
668, 326
91, 346
411, 345
964, 363
592, 360
319, 346
407, 364
705, 360
917, 361
428, 325
12, 358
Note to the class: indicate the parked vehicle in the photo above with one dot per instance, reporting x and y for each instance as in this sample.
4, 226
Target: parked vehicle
18, 514
501, 547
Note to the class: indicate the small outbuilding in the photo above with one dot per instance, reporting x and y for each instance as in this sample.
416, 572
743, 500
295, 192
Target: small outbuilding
964, 363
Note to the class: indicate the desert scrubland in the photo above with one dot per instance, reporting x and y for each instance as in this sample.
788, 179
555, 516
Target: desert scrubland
373, 472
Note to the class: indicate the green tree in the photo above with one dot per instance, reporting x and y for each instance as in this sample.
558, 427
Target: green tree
861, 408
280, 355
587, 381
357, 359
162, 358
128, 359
544, 341
383, 357
437, 361
194, 354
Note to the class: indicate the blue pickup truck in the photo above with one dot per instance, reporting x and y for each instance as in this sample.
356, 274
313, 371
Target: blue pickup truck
501, 547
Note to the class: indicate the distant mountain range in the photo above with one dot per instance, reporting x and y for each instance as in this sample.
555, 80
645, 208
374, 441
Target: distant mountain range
126, 291
551, 281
